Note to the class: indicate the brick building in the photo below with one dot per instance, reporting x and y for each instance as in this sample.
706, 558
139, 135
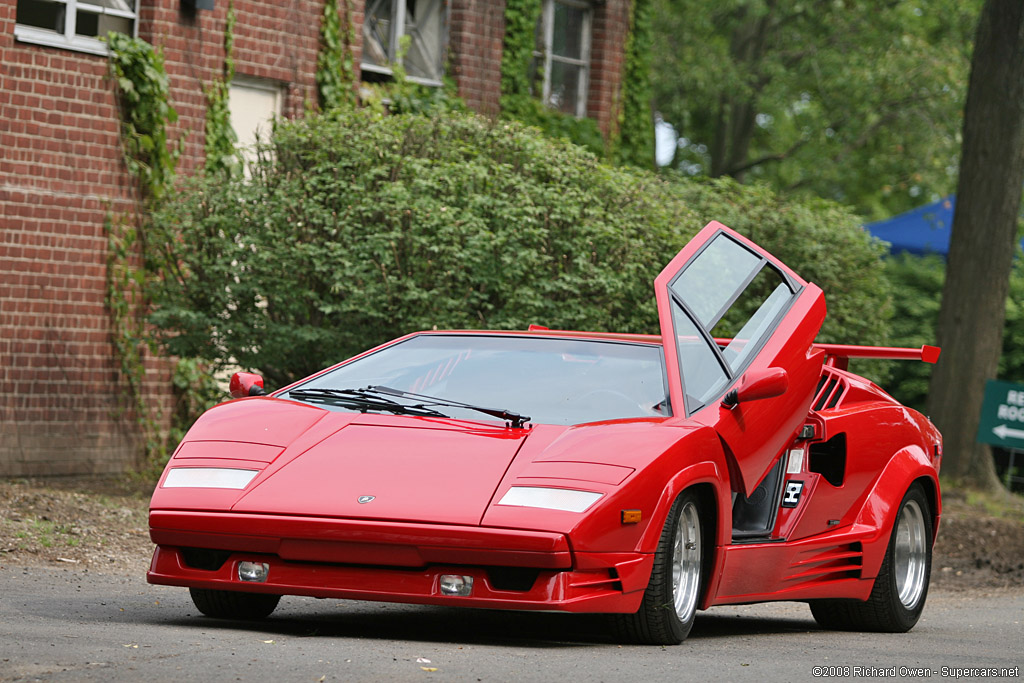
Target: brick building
62, 400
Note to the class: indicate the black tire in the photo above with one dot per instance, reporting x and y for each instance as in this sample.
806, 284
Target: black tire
233, 604
898, 596
670, 602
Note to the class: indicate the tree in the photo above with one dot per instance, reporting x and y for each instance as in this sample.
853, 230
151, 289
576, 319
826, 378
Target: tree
857, 101
983, 240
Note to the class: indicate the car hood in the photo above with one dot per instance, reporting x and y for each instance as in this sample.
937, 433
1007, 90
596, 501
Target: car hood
379, 467
312, 462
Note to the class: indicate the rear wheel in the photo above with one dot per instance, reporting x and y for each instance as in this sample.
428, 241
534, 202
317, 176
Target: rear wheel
900, 589
233, 604
670, 602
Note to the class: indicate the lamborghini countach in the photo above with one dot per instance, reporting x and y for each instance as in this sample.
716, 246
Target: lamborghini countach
730, 459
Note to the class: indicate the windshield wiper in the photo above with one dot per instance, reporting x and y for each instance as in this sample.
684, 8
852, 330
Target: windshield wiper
362, 400
514, 419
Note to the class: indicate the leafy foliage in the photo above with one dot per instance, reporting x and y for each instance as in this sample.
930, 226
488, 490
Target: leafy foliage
917, 284
519, 99
221, 141
635, 145
853, 100
135, 257
335, 65
521, 17
356, 228
195, 391
146, 111
399, 95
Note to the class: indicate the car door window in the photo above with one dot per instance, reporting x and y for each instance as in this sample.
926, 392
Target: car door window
751, 315
725, 303
703, 374
708, 283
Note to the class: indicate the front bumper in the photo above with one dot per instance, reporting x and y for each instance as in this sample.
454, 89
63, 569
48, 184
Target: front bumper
395, 562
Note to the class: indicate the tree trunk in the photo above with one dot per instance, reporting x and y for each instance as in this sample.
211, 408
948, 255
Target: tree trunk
970, 328
737, 112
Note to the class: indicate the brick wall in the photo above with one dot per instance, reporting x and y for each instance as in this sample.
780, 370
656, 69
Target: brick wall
607, 55
60, 172
475, 36
63, 404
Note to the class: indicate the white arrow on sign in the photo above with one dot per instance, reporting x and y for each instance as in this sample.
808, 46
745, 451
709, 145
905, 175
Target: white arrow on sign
1002, 431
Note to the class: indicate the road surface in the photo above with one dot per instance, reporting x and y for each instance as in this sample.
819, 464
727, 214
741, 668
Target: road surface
67, 624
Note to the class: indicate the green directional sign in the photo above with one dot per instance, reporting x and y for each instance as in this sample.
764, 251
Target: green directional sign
1002, 415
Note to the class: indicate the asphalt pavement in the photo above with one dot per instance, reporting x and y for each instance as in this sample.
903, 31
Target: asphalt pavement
67, 624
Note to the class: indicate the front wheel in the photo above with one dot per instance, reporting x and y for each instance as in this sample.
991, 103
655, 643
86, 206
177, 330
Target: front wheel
900, 589
233, 604
670, 602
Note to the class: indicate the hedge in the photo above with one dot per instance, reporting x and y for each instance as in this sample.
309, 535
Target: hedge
355, 228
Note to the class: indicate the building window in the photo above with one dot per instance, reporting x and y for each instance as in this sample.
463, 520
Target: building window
254, 104
563, 41
74, 24
425, 24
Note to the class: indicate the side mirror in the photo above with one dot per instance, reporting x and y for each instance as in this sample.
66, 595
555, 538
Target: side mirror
246, 384
757, 385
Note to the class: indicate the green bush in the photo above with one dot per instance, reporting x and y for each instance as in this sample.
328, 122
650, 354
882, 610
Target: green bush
357, 228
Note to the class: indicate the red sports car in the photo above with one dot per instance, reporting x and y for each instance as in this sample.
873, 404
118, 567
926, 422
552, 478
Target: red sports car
729, 460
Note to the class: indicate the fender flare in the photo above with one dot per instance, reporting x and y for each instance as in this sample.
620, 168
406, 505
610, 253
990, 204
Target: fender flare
908, 465
709, 473
712, 476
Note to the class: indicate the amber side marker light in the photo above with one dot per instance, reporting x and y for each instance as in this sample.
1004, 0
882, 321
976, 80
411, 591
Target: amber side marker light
631, 516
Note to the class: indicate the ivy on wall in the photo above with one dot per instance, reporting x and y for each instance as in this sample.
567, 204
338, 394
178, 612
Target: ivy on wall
144, 105
138, 71
137, 255
521, 17
221, 141
519, 101
635, 144
632, 141
335, 64
336, 75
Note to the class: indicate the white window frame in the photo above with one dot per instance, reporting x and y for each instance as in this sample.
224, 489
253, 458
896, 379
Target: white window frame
548, 19
69, 40
398, 11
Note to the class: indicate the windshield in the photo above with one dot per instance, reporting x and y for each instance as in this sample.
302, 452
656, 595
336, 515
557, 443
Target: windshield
554, 381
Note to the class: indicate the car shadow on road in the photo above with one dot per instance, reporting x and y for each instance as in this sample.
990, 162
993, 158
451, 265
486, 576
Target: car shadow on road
712, 625
473, 626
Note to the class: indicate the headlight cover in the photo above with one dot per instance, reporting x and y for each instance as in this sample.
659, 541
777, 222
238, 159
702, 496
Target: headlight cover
208, 478
569, 500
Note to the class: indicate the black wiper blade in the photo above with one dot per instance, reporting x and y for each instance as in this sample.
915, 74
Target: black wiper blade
515, 419
362, 400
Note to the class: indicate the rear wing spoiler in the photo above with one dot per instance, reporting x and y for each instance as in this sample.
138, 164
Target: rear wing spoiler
839, 355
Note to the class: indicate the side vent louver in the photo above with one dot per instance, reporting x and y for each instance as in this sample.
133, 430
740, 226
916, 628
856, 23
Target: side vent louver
834, 563
831, 388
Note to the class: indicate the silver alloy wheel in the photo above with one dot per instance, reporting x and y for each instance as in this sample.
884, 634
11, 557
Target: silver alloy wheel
910, 554
686, 562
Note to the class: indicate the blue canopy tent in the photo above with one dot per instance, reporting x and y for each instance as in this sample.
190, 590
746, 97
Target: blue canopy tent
924, 230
